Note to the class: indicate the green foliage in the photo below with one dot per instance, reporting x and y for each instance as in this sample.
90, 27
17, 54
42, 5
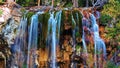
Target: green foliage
77, 34
26, 2
105, 19
111, 32
1, 1
1, 12
118, 47
114, 33
69, 4
81, 3
111, 8
111, 65
78, 47
111, 15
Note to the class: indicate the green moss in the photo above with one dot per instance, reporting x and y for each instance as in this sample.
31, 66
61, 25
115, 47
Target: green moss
75, 16
78, 19
40, 18
62, 21
23, 11
45, 18
1, 12
68, 4
29, 15
69, 20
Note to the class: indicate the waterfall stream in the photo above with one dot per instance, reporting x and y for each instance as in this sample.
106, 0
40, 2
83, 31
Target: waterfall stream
98, 42
20, 44
65, 34
54, 23
33, 40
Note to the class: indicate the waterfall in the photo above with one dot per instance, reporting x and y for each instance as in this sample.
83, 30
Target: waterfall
83, 38
98, 42
32, 41
54, 24
84, 44
20, 43
73, 31
58, 18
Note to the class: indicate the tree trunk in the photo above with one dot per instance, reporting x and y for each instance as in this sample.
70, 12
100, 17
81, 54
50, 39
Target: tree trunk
38, 2
75, 3
87, 3
52, 3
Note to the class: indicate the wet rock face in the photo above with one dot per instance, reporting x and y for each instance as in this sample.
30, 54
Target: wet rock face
5, 14
4, 52
9, 31
8, 26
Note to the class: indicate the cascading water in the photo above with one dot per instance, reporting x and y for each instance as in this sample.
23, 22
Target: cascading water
54, 23
84, 44
32, 42
20, 44
98, 42
83, 38
58, 18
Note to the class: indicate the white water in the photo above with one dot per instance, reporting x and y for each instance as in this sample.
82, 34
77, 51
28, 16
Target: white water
32, 42
98, 42
84, 44
54, 23
20, 44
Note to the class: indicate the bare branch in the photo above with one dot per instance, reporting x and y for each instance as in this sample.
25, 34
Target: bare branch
98, 2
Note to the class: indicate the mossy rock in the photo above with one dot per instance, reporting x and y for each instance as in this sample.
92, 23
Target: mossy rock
28, 16
43, 19
78, 19
46, 17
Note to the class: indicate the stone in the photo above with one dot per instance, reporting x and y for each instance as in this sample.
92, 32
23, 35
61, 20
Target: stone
9, 31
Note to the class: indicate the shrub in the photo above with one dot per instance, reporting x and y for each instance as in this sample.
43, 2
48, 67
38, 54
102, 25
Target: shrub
105, 19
